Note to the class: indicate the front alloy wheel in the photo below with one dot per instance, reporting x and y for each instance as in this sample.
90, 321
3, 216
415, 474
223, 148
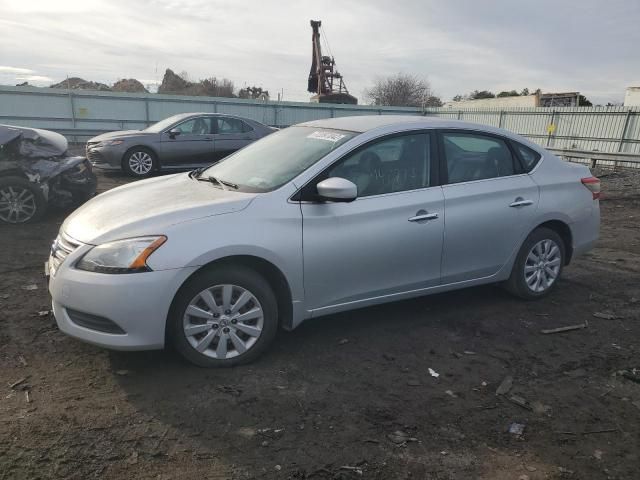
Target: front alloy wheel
139, 163
20, 200
223, 321
223, 316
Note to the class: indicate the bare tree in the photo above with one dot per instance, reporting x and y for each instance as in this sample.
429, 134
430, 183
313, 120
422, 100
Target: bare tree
402, 90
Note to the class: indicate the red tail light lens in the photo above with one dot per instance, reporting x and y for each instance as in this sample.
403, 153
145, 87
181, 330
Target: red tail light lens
593, 184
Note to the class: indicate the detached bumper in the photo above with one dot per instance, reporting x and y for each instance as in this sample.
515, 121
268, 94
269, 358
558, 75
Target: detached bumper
121, 312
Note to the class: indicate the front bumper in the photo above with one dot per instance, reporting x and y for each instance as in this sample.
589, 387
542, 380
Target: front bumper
105, 157
137, 303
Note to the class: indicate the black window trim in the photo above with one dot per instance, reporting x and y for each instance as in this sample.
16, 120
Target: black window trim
518, 165
243, 124
306, 193
523, 165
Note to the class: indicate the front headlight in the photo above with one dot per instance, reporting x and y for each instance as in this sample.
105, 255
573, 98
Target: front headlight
122, 256
111, 143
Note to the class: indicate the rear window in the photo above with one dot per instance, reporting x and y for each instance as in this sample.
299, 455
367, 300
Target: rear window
529, 157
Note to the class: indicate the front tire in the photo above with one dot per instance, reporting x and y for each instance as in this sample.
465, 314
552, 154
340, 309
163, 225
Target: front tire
223, 316
538, 265
21, 201
139, 162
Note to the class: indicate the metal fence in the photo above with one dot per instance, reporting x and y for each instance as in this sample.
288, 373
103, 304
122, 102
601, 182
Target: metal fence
82, 114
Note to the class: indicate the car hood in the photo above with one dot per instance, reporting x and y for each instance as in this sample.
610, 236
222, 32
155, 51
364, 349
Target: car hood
120, 134
148, 207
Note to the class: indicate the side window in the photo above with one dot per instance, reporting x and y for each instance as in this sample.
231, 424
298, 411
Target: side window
230, 125
195, 126
472, 156
529, 157
393, 165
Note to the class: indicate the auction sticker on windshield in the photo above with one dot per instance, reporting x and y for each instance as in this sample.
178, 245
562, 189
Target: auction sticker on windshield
328, 136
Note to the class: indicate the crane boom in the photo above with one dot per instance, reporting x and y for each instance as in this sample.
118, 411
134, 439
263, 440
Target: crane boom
324, 79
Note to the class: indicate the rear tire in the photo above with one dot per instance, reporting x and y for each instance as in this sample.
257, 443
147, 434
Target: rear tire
139, 162
21, 201
538, 265
223, 316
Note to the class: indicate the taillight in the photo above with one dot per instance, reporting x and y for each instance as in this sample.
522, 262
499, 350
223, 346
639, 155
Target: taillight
593, 184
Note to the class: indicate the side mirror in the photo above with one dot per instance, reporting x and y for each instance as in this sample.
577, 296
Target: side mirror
337, 189
174, 132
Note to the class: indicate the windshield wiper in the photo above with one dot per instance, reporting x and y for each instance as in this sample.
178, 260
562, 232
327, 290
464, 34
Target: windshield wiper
215, 180
196, 173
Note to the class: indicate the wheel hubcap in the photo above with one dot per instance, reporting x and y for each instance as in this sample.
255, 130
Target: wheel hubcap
542, 266
223, 321
17, 204
140, 163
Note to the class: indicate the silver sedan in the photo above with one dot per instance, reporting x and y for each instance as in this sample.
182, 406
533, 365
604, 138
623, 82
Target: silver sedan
318, 218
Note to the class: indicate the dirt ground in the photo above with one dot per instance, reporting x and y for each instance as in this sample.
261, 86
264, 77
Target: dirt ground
353, 395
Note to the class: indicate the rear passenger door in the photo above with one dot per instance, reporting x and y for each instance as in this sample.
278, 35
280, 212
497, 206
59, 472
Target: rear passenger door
489, 203
231, 134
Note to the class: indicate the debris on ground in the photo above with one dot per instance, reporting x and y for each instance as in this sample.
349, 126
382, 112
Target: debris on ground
414, 383
565, 329
122, 373
18, 382
605, 315
400, 438
356, 470
451, 394
31, 286
633, 374
505, 385
517, 429
231, 390
597, 454
343, 341
520, 401
433, 373
42, 313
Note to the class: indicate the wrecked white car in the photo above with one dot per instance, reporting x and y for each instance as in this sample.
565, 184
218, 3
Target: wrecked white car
36, 171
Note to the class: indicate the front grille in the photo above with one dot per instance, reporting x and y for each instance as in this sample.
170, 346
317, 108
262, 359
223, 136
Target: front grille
94, 322
61, 248
94, 157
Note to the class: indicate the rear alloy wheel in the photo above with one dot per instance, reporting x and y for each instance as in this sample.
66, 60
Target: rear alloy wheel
538, 265
224, 317
20, 201
139, 163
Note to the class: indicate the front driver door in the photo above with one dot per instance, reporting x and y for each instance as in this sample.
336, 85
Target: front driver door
388, 240
191, 147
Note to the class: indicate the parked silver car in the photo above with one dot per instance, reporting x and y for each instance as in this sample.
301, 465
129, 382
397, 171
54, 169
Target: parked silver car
183, 141
318, 218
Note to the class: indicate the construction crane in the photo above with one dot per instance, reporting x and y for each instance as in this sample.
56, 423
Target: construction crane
324, 79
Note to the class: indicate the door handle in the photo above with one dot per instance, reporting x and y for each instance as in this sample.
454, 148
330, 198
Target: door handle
521, 202
423, 216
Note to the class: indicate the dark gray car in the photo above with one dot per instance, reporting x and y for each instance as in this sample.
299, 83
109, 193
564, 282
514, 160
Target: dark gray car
183, 141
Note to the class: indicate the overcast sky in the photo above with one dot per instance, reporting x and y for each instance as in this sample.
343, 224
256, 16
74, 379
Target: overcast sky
458, 45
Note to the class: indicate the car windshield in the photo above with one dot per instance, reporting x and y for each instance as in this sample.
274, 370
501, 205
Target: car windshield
163, 124
273, 161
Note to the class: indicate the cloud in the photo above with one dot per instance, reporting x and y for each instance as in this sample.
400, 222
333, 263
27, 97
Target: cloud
15, 70
459, 45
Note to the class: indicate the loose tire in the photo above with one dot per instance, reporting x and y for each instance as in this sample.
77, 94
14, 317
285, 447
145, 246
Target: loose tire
223, 316
538, 265
21, 201
139, 162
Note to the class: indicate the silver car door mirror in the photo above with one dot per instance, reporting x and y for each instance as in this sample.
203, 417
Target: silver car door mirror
337, 189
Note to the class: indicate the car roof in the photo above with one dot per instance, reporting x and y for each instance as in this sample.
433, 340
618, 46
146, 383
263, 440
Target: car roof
384, 123
365, 123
